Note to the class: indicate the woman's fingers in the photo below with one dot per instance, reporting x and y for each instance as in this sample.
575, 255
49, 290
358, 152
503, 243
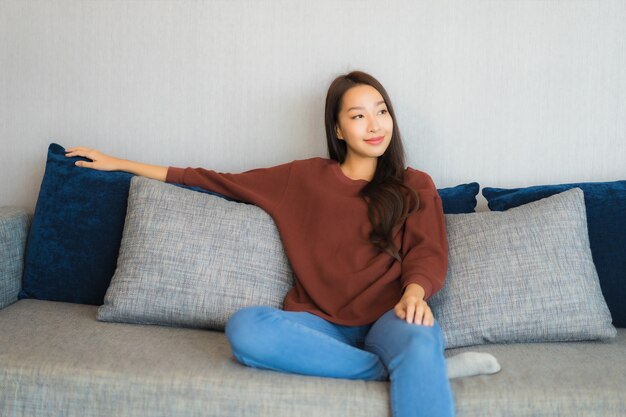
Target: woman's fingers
77, 151
422, 313
98, 161
82, 152
400, 312
429, 320
415, 311
83, 164
410, 312
92, 154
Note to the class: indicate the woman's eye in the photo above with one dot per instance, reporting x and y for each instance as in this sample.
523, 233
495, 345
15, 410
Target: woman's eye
383, 111
358, 116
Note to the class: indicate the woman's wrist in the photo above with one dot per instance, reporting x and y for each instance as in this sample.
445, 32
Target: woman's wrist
414, 290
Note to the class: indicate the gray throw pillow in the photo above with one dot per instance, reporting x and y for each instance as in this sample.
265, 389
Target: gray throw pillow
192, 259
522, 275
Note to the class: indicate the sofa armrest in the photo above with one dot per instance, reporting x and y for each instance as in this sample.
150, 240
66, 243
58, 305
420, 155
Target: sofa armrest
14, 226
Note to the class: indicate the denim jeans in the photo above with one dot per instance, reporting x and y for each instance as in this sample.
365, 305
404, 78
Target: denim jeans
409, 355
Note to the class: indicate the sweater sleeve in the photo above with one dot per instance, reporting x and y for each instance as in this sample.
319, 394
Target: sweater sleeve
263, 187
425, 245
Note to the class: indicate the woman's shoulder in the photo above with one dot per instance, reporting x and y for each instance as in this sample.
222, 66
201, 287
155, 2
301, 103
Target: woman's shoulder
418, 180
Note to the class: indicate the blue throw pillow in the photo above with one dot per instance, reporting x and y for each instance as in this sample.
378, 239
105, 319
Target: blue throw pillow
606, 221
76, 232
459, 199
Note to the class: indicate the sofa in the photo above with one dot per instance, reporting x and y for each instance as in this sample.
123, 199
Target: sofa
115, 291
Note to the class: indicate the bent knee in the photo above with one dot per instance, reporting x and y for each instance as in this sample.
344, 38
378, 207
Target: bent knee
425, 339
245, 327
245, 321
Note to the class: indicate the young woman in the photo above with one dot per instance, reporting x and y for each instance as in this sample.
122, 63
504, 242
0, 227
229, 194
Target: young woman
366, 239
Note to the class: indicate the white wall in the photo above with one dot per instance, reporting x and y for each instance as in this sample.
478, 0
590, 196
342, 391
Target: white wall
506, 93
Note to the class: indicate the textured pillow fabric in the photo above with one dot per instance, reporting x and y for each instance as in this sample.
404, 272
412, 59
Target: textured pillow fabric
523, 275
76, 232
459, 199
191, 259
606, 221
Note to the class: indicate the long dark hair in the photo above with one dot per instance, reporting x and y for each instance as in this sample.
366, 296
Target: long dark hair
389, 200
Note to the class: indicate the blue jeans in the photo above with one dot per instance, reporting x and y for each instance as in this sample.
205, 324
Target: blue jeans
409, 355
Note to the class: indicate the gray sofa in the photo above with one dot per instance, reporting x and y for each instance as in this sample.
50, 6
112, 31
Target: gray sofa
58, 359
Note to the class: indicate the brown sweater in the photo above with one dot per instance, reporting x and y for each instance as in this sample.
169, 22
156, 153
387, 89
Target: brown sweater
324, 227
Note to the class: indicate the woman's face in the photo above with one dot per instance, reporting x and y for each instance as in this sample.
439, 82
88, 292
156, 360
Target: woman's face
364, 123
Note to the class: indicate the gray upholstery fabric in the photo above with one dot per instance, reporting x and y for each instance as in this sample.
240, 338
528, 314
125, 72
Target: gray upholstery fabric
193, 259
56, 359
523, 275
564, 379
14, 224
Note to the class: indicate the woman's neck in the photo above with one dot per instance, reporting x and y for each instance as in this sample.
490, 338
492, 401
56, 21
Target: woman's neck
362, 169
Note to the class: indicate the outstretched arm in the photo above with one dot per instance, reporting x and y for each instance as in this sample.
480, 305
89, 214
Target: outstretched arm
102, 162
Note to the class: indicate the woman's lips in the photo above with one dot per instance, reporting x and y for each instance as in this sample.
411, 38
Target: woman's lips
375, 141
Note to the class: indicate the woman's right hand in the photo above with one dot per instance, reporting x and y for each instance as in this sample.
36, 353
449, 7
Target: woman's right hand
100, 161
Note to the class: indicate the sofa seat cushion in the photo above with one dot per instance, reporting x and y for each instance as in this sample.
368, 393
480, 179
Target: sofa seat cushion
57, 359
565, 379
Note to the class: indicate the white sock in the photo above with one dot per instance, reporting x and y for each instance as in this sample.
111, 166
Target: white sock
472, 363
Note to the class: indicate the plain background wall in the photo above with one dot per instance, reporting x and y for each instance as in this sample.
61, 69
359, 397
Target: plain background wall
506, 93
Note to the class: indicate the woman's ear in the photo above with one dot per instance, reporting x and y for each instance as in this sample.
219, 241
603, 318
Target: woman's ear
338, 132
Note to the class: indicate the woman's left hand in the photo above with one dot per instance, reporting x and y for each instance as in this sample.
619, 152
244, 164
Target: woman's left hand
413, 308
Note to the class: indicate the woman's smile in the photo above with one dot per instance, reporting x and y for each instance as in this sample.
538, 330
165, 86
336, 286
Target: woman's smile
375, 141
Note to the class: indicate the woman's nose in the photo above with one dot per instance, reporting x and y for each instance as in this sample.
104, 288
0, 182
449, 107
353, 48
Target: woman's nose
373, 126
